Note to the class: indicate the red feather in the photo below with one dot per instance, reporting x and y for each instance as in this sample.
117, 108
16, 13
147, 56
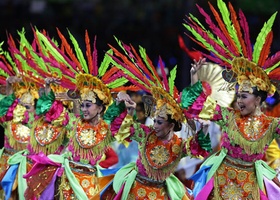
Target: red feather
220, 50
69, 50
153, 69
109, 73
214, 28
164, 77
245, 28
274, 59
142, 64
275, 74
194, 55
6, 66
127, 63
224, 30
266, 49
94, 55
88, 53
126, 88
238, 30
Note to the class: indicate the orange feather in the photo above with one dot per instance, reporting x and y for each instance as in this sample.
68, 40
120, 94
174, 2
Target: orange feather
141, 63
88, 53
130, 66
69, 50
266, 49
224, 30
126, 88
109, 73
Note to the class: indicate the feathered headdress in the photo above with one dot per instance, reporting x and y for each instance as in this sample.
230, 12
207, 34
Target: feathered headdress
140, 71
77, 74
14, 63
228, 41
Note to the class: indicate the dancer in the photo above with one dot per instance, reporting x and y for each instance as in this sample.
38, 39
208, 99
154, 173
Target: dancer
236, 171
160, 150
90, 136
17, 116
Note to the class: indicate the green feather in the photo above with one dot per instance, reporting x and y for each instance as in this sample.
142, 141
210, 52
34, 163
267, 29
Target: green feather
105, 63
262, 37
79, 53
23, 41
119, 43
205, 43
230, 28
171, 80
8, 58
144, 57
3, 73
128, 73
210, 35
117, 83
268, 70
49, 48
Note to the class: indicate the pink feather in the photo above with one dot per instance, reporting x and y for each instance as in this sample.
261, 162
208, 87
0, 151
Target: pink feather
164, 78
272, 60
95, 58
215, 28
245, 27
216, 46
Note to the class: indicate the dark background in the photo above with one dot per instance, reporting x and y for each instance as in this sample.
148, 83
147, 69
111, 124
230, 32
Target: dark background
153, 24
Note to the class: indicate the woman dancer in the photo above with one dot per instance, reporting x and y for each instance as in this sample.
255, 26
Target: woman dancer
236, 171
160, 150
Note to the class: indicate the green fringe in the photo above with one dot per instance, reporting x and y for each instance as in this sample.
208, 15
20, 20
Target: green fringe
250, 147
50, 148
158, 174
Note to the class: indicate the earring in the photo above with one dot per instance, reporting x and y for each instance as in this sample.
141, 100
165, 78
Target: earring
258, 111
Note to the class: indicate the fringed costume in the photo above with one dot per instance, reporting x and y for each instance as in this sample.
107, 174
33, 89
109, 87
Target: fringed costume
151, 177
15, 117
237, 171
87, 145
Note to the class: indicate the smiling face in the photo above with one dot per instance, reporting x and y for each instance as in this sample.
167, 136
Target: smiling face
90, 110
247, 103
162, 127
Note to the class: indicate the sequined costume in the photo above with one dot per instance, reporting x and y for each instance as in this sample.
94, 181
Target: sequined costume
88, 145
17, 117
236, 171
151, 177
75, 172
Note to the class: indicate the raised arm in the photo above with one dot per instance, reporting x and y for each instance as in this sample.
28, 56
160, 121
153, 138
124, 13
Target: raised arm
195, 67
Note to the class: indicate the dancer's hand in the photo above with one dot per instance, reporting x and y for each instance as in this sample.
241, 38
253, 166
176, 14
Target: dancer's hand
50, 80
195, 67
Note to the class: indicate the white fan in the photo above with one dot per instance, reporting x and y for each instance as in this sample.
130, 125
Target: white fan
216, 87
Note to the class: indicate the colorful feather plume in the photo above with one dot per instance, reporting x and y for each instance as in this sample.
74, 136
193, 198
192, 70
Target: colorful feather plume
140, 71
229, 40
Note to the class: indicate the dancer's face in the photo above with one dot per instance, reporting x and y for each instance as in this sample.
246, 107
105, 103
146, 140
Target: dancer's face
90, 110
247, 103
162, 127
29, 107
